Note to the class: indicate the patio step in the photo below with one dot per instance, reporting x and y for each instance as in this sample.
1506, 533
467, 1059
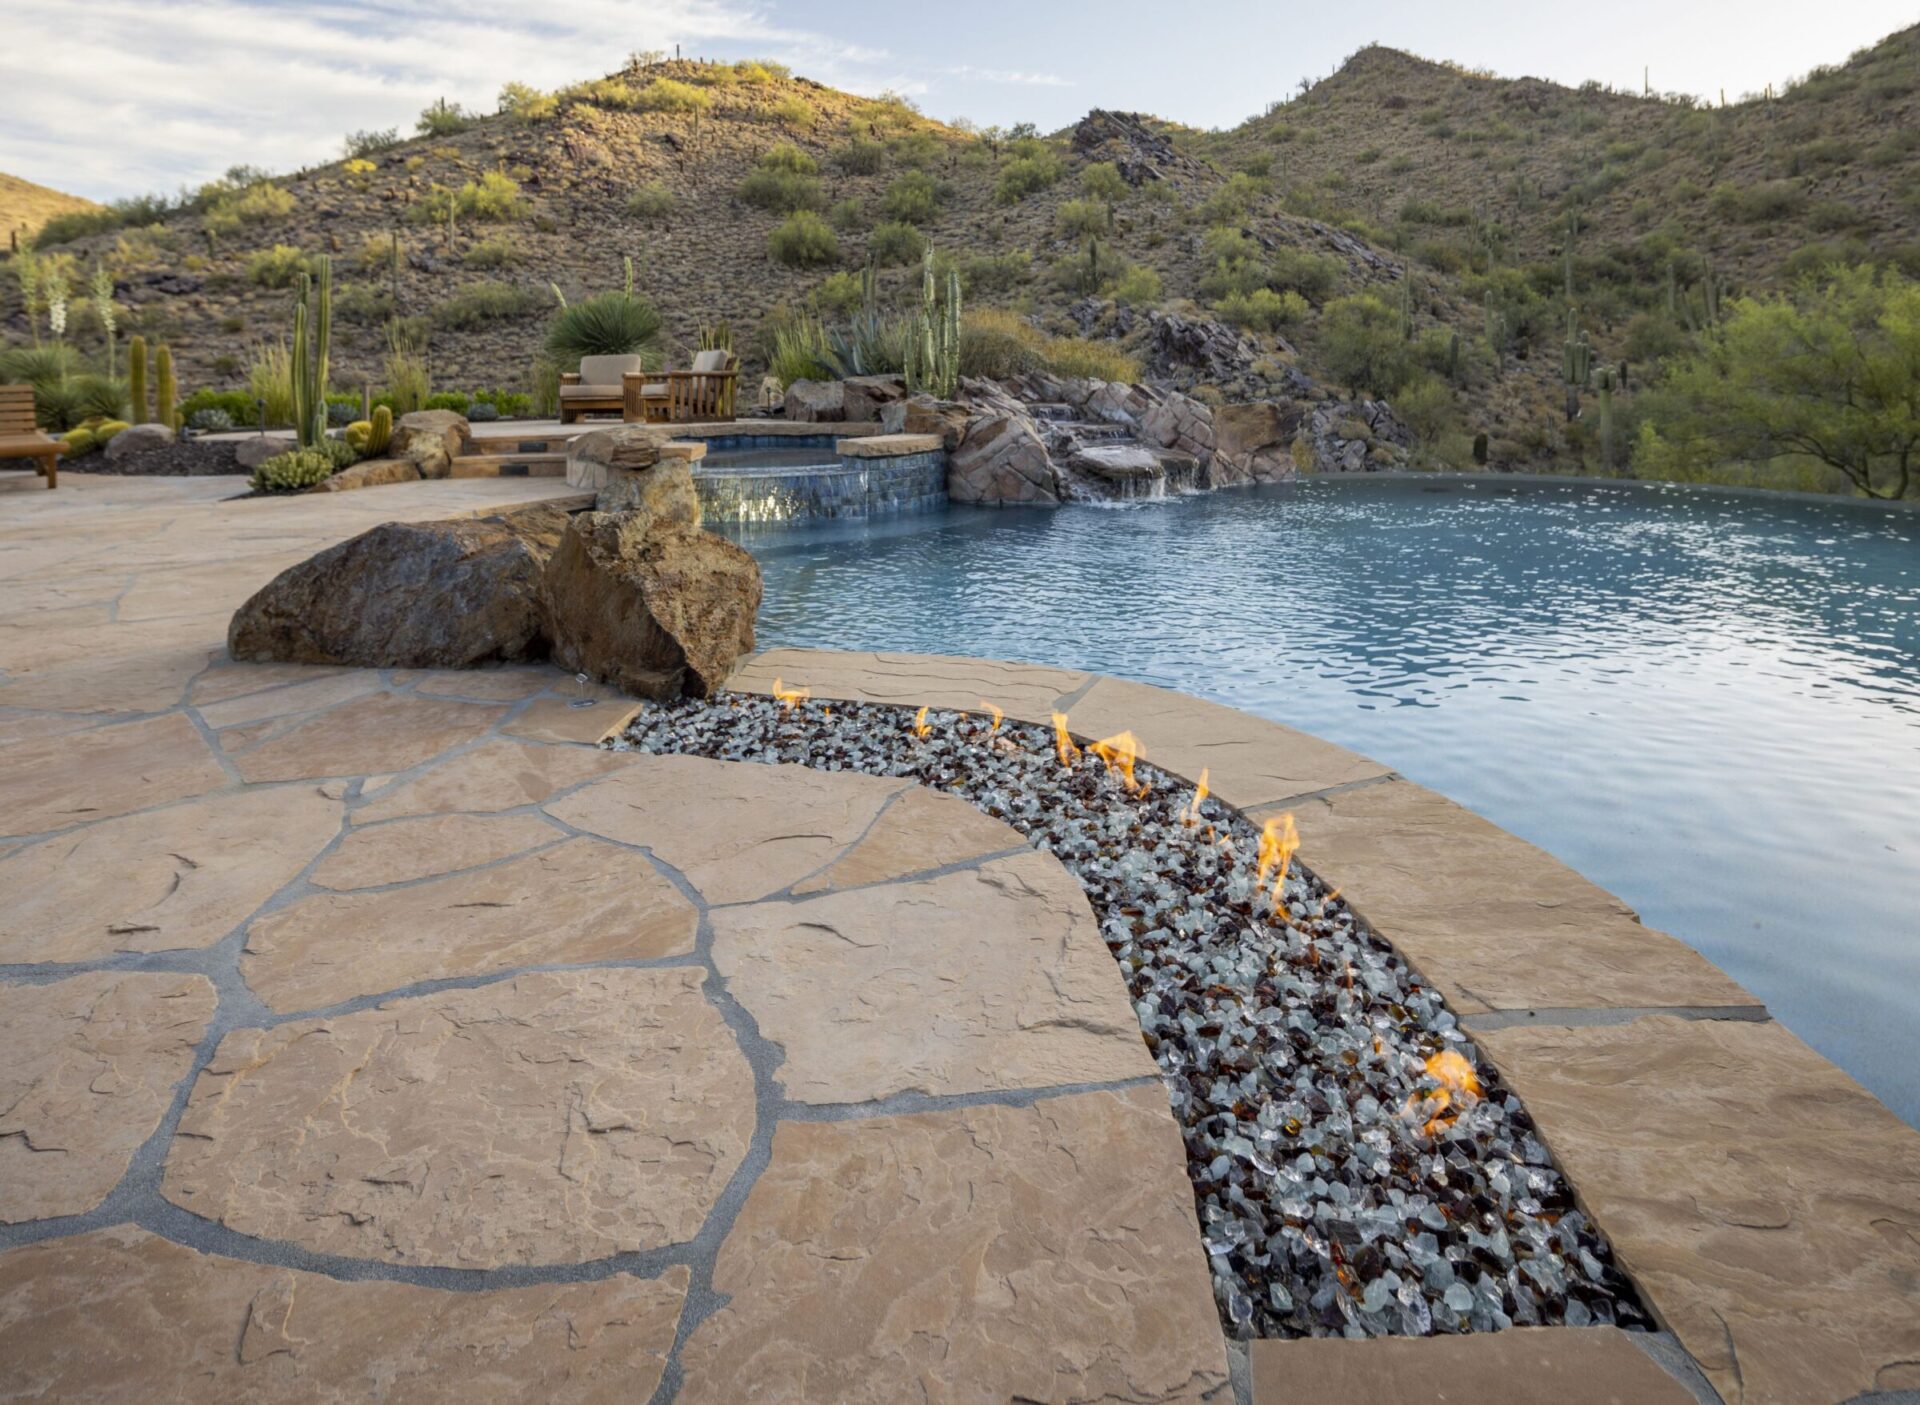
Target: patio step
493, 444
510, 465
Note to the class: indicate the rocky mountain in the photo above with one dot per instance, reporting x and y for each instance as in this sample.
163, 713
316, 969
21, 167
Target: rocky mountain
24, 206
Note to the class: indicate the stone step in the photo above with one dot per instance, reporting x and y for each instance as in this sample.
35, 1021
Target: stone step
511, 465
509, 445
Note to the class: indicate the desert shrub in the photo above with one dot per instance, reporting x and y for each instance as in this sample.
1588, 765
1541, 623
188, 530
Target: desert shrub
997, 344
1834, 216
667, 95
1079, 218
1361, 345
1446, 255
1652, 337
495, 251
293, 472
914, 198
1758, 203
341, 409
607, 324
209, 421
375, 254
893, 244
405, 367
456, 400
443, 119
1311, 275
847, 216
256, 204
525, 103
650, 202
507, 404
1096, 360
1234, 200
615, 94
477, 304
797, 347
370, 142
1818, 260
785, 156
916, 148
782, 192
1262, 310
363, 304
861, 157
791, 112
840, 293
270, 381
236, 406
278, 267
1426, 406
1026, 175
994, 273
1136, 283
1102, 181
803, 240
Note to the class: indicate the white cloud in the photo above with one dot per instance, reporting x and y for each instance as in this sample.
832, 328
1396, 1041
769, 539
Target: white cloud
968, 73
96, 106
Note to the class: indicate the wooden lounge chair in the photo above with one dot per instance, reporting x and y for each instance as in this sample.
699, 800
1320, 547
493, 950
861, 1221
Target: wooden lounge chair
596, 388
703, 393
20, 437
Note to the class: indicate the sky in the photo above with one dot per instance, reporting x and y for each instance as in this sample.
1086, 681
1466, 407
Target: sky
109, 98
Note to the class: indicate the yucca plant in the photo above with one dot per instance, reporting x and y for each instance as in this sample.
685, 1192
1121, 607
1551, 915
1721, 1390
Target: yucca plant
606, 324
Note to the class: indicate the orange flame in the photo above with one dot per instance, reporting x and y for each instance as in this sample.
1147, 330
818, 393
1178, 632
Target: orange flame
1279, 841
998, 715
1191, 815
920, 724
791, 696
1119, 753
1458, 1082
1063, 743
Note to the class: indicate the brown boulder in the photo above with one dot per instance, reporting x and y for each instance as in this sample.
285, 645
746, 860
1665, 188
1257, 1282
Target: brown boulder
1250, 443
431, 440
862, 398
409, 595
922, 414
655, 607
814, 402
1002, 460
624, 466
369, 473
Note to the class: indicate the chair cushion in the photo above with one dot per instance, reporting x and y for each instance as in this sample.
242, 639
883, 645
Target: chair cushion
589, 392
715, 360
606, 370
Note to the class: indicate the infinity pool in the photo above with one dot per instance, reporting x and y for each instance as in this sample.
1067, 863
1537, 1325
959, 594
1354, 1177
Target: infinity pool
1707, 702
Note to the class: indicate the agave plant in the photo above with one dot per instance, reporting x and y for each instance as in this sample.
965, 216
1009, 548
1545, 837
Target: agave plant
606, 324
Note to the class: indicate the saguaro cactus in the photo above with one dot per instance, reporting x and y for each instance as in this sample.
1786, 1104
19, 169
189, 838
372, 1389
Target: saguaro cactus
1576, 364
137, 377
312, 337
1603, 382
166, 402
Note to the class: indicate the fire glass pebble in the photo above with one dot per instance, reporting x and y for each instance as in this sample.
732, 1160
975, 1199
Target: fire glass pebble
1356, 1170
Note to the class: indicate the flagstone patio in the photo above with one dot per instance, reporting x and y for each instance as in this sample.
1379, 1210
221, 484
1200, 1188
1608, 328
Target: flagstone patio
371, 1035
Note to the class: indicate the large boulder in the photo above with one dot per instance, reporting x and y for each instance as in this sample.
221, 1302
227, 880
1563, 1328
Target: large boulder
922, 414
1118, 463
256, 449
369, 473
409, 595
862, 398
651, 605
816, 402
431, 440
627, 470
136, 438
1002, 459
1250, 443
1180, 422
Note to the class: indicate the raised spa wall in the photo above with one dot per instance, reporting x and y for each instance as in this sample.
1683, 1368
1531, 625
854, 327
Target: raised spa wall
853, 477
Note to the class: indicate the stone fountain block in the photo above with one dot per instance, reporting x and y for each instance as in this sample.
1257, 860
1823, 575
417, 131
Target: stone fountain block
634, 467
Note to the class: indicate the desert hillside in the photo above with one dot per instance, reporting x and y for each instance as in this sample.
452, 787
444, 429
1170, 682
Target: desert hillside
24, 206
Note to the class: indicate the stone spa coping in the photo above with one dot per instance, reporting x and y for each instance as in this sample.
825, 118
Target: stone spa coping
371, 1033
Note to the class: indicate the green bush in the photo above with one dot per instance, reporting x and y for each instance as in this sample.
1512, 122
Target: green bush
783, 192
1757, 204
1263, 310
1361, 344
456, 400
278, 267
1079, 218
443, 119
847, 216
1095, 360
1311, 275
236, 405
1026, 175
791, 112
1102, 181
998, 344
994, 273
785, 156
650, 202
1136, 284
892, 245
1234, 200
293, 472
607, 324
255, 204
861, 157
370, 142
803, 240
667, 95
495, 197
495, 251
839, 293
480, 303
613, 93
914, 198
366, 304
527, 104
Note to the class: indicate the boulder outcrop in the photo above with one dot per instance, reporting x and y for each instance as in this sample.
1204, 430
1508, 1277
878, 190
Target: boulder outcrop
431, 440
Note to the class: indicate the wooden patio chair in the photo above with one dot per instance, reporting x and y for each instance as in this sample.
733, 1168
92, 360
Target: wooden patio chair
702, 394
20, 436
597, 388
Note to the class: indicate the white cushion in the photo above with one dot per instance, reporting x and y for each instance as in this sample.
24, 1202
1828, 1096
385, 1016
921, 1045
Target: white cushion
606, 370
715, 360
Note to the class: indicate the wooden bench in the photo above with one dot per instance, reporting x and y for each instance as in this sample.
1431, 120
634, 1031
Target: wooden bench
701, 395
20, 436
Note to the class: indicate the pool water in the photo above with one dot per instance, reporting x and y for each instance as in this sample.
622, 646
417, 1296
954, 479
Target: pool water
1706, 701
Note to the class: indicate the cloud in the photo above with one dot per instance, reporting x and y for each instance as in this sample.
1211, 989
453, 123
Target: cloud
968, 73
96, 107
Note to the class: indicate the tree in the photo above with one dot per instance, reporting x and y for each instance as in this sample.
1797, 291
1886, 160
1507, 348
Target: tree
1361, 345
1830, 370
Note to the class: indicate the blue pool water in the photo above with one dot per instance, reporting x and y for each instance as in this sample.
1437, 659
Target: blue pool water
1708, 702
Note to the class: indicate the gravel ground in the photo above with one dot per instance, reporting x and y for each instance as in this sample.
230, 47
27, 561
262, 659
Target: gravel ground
1356, 1171
190, 458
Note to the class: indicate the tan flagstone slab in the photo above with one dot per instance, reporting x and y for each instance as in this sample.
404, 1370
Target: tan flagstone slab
737, 830
581, 901
146, 680
1767, 1204
1249, 761
53, 782
972, 1254
30, 726
405, 851
480, 684
309, 695
121, 1315
382, 732
228, 680
909, 680
1488, 919
87, 1069
183, 876
556, 719
498, 774
1520, 1366
920, 829
553, 1118
984, 979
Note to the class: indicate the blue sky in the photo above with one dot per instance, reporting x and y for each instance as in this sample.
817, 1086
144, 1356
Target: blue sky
115, 97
